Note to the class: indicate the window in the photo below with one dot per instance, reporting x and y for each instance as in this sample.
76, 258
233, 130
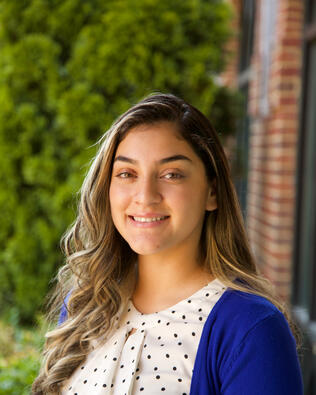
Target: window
247, 20
304, 285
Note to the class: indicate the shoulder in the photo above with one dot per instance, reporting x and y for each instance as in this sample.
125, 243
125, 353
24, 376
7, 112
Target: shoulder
240, 316
243, 308
243, 311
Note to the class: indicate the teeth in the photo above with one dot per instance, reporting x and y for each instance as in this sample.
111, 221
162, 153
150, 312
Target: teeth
143, 219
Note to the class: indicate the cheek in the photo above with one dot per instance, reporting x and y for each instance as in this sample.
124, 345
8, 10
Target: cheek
118, 199
191, 198
190, 205
114, 200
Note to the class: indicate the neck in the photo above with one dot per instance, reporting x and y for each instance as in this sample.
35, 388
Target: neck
164, 280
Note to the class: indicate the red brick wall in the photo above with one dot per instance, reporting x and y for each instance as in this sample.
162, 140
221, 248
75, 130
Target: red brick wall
273, 144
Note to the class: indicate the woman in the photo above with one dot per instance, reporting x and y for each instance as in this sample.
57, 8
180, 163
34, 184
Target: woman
163, 294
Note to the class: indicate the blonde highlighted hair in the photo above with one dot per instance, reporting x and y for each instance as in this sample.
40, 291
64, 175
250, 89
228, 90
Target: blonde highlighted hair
100, 265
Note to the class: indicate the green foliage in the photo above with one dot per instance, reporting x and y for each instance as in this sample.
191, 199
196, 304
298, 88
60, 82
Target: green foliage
19, 361
67, 69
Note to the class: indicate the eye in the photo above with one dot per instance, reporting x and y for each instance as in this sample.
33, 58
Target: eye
124, 174
173, 175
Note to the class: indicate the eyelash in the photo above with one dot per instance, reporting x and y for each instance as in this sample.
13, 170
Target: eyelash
175, 176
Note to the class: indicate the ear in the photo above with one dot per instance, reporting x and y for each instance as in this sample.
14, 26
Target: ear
211, 203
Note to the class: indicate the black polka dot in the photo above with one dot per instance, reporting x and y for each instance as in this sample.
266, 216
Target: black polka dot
95, 384
145, 345
105, 356
137, 369
167, 355
112, 385
200, 318
143, 323
157, 377
200, 309
69, 388
127, 322
129, 310
168, 323
179, 344
159, 337
132, 348
179, 380
141, 389
95, 369
163, 389
104, 385
123, 381
82, 367
122, 366
148, 356
137, 377
159, 321
193, 333
186, 356
175, 335
174, 368
85, 382
173, 311
189, 301
183, 317
114, 359
207, 294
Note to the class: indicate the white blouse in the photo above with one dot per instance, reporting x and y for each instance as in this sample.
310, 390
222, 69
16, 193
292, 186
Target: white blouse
158, 357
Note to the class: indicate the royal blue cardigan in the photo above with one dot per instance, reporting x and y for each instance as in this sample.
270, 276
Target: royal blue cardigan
246, 348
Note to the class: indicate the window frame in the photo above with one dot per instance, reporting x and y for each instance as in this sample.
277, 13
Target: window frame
304, 301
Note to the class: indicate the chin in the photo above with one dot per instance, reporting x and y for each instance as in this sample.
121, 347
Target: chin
145, 250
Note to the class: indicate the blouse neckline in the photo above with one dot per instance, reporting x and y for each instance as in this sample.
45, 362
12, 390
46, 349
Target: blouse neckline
195, 295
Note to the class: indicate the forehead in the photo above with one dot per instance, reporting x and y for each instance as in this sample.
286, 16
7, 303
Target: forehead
155, 139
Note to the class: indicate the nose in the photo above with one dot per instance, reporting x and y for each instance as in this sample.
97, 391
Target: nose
147, 191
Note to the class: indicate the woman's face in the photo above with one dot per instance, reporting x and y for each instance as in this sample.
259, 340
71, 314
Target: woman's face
159, 191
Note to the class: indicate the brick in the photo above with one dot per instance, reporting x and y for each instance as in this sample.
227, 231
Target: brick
291, 42
279, 235
274, 222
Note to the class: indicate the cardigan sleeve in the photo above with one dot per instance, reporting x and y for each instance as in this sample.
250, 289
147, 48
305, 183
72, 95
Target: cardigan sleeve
63, 311
265, 361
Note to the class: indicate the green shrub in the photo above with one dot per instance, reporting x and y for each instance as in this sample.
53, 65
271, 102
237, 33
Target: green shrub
18, 376
20, 358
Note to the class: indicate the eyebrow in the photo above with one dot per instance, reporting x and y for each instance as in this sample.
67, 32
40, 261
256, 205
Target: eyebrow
172, 158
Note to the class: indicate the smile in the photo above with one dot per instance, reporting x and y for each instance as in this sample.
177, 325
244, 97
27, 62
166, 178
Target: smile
147, 219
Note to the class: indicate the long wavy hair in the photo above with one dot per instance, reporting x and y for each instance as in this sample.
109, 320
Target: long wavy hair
100, 266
